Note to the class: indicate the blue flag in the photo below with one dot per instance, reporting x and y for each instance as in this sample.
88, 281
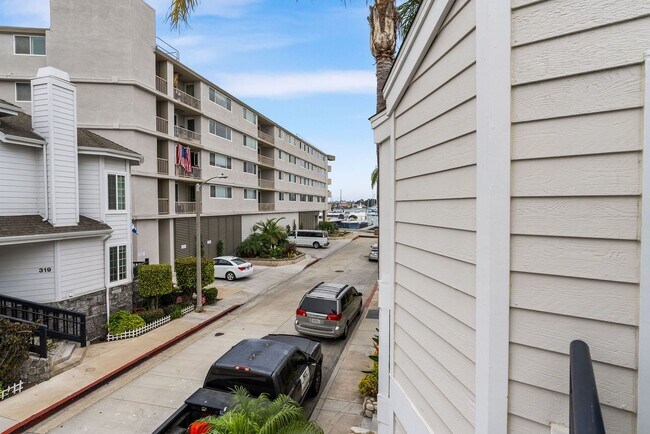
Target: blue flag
133, 229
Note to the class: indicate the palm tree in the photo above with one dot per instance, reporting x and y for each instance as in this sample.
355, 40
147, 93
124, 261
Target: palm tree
374, 177
271, 230
261, 415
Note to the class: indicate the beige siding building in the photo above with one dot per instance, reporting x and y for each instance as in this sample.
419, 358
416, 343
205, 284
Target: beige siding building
133, 89
511, 215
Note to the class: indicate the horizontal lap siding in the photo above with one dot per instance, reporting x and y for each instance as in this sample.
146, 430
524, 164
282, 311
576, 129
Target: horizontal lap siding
435, 212
577, 107
82, 266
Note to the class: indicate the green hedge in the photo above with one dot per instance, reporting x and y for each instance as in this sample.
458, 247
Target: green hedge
186, 273
152, 315
155, 280
210, 295
15, 338
124, 321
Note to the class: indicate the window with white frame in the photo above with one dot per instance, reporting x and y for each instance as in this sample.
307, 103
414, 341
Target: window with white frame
220, 130
30, 45
249, 193
280, 175
303, 198
250, 167
292, 197
281, 133
250, 142
219, 160
292, 141
281, 154
116, 192
250, 116
292, 178
292, 159
117, 263
220, 99
221, 191
281, 195
23, 92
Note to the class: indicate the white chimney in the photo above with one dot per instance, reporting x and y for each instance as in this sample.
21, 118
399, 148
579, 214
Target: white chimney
54, 116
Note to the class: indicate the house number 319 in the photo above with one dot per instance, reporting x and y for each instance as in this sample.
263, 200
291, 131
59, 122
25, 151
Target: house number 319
45, 270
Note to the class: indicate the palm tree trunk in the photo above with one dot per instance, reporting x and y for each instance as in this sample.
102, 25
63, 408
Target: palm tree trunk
384, 65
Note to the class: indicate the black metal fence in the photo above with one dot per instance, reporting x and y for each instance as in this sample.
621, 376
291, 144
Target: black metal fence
58, 323
585, 416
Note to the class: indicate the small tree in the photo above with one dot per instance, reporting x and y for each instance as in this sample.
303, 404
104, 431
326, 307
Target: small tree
186, 273
220, 248
15, 339
155, 280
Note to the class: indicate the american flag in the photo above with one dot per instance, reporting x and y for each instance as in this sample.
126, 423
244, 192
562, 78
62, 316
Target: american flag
184, 157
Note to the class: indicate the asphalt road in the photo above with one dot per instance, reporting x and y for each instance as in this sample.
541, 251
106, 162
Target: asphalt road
143, 398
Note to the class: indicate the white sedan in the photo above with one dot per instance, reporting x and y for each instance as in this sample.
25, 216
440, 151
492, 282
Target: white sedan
231, 268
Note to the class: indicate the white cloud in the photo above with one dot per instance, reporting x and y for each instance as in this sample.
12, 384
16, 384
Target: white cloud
29, 13
291, 85
214, 8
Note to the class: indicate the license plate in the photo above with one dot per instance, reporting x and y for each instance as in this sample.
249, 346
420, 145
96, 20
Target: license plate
315, 321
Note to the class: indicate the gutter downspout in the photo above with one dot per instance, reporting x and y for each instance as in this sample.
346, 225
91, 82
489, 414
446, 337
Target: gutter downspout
106, 282
47, 204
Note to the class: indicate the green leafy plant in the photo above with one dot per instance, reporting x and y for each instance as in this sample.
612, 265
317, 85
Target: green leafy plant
252, 247
176, 313
186, 273
369, 384
210, 295
220, 248
330, 227
250, 415
149, 316
15, 339
155, 280
123, 321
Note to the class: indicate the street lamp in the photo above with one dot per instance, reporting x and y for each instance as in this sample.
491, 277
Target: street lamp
199, 283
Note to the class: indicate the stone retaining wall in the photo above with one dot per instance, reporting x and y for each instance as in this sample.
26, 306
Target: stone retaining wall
275, 262
35, 370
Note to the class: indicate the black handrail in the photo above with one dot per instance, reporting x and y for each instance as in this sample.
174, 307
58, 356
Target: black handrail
585, 416
60, 323
40, 333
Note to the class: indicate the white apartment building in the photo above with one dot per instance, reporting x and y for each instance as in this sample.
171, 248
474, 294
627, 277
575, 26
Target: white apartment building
65, 217
132, 88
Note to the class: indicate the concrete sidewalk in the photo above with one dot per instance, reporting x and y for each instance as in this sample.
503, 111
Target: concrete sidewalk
107, 360
340, 407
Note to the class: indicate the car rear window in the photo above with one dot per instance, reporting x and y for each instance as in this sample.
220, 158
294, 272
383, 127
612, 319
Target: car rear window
318, 305
226, 379
238, 261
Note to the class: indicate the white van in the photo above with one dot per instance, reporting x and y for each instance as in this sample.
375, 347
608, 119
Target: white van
309, 238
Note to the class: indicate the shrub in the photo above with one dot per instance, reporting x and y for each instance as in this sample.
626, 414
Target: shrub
124, 321
155, 280
152, 315
220, 248
290, 250
176, 313
14, 349
210, 295
186, 273
330, 227
170, 299
251, 247
369, 384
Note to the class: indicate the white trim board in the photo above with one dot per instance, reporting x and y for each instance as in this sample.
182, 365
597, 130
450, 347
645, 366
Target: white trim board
409, 417
492, 214
643, 374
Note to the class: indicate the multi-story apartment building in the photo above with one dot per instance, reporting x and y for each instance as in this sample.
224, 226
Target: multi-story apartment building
132, 88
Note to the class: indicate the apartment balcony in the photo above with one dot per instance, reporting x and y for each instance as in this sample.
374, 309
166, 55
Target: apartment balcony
161, 85
162, 125
185, 207
266, 206
163, 205
266, 184
266, 161
184, 133
195, 173
186, 98
163, 166
266, 137
329, 181
329, 168
167, 49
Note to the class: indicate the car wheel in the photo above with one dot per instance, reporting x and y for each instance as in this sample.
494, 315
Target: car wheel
230, 276
316, 245
315, 384
346, 331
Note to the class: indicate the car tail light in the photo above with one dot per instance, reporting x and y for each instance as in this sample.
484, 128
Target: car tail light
242, 368
301, 312
242, 267
334, 316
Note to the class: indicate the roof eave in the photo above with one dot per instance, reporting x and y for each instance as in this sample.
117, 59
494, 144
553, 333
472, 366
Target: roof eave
87, 150
19, 140
39, 238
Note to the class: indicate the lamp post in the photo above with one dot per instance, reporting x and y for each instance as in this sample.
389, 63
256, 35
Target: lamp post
199, 283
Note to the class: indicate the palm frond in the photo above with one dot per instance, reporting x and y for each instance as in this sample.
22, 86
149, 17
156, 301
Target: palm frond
180, 11
286, 415
374, 177
305, 427
406, 15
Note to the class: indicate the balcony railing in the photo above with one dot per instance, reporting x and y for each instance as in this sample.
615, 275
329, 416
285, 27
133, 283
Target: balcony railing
163, 205
266, 137
265, 183
184, 133
266, 206
167, 49
161, 84
186, 98
267, 161
329, 181
163, 166
185, 207
161, 125
195, 173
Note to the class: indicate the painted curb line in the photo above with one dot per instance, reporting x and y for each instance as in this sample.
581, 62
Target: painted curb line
59, 405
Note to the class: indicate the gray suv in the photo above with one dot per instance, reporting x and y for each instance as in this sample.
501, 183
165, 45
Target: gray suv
327, 310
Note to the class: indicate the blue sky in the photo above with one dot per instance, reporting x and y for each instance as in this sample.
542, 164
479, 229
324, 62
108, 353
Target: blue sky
305, 64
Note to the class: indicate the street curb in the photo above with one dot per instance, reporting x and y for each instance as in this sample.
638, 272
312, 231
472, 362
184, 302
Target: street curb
57, 406
312, 262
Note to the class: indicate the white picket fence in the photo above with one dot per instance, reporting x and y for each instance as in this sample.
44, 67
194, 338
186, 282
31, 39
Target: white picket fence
11, 390
147, 327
